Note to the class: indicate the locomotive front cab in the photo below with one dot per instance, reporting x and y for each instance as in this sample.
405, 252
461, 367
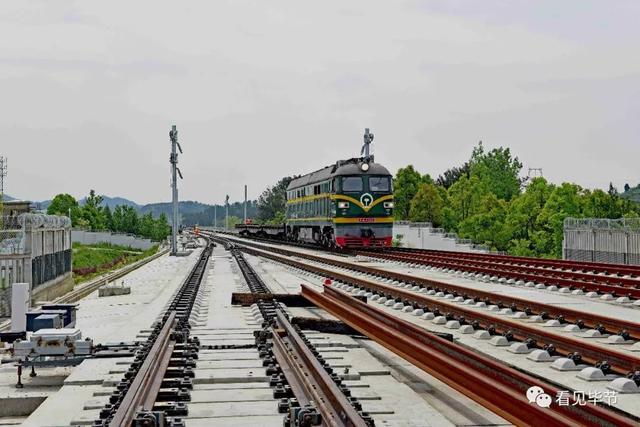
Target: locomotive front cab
363, 204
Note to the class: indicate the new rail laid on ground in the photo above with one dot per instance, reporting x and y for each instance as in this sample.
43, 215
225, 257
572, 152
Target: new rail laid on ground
482, 385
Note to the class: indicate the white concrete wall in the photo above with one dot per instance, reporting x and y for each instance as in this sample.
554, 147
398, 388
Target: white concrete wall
426, 237
93, 237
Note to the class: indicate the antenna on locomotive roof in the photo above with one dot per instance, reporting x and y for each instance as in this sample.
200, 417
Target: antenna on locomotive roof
368, 139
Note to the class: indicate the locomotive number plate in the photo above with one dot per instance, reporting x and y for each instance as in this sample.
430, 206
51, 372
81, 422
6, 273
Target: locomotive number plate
366, 219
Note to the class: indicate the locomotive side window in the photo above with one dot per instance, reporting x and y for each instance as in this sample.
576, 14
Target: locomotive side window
352, 184
379, 183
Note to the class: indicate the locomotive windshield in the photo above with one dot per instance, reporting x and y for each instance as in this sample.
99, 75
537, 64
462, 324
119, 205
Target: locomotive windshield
379, 184
352, 184
356, 184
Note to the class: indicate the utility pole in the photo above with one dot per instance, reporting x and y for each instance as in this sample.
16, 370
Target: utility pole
3, 174
245, 203
175, 146
226, 215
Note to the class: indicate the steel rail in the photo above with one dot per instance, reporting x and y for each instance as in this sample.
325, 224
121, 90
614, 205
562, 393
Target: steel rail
604, 284
144, 379
596, 267
621, 362
593, 320
309, 381
144, 388
492, 384
315, 390
253, 279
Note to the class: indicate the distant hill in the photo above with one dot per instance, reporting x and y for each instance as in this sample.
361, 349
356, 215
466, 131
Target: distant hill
8, 198
186, 207
632, 194
196, 213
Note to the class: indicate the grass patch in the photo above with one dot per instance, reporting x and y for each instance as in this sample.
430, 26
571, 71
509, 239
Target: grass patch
90, 261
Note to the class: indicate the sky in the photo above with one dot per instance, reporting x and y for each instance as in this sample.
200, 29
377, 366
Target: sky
264, 89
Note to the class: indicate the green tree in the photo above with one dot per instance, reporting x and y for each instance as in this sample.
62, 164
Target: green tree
524, 210
451, 176
277, 220
272, 201
108, 218
129, 220
63, 204
486, 226
232, 221
498, 169
565, 201
405, 186
426, 205
485, 203
92, 213
465, 197
145, 225
521, 247
161, 228
117, 219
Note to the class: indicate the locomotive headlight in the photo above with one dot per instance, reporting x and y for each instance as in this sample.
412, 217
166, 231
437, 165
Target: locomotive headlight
388, 205
364, 167
343, 205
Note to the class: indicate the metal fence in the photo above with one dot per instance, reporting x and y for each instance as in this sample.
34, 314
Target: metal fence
5, 302
11, 235
615, 241
49, 266
630, 224
34, 249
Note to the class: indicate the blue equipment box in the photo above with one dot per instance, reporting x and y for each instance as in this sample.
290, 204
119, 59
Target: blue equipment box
69, 318
47, 321
32, 315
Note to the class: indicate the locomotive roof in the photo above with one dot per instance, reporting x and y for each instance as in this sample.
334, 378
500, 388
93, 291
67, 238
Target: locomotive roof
343, 167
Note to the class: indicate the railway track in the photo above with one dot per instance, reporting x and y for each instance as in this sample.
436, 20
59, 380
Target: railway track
620, 362
339, 300
565, 265
603, 324
490, 383
310, 393
154, 390
606, 280
545, 273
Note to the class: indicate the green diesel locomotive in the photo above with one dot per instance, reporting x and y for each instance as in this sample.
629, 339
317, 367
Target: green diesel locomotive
347, 204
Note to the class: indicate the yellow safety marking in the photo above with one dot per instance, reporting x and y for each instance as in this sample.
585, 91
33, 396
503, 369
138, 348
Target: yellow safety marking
364, 220
309, 198
358, 220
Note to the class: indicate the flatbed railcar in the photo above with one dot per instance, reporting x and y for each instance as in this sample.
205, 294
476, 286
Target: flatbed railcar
260, 230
